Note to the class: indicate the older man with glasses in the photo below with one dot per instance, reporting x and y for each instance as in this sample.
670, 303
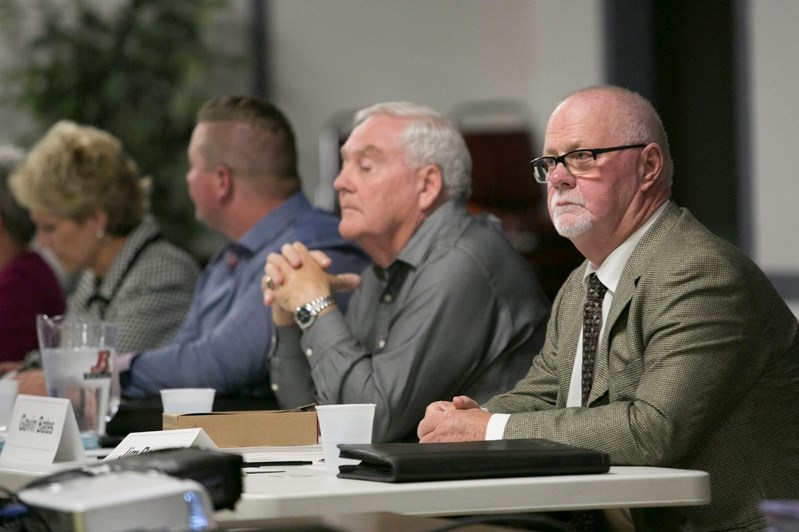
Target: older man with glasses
666, 347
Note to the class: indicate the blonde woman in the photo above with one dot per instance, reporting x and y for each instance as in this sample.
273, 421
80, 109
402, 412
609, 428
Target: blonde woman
89, 204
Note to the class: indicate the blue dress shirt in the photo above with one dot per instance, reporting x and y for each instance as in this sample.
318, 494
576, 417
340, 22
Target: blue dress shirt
224, 340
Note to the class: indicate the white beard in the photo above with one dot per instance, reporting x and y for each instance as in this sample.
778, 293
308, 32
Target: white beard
570, 220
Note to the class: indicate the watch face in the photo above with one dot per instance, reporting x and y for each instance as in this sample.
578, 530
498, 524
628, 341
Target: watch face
303, 315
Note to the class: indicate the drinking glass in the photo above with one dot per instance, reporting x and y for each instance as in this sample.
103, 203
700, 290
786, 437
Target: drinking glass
79, 362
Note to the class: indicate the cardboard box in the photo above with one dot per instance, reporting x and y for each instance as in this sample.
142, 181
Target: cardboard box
251, 428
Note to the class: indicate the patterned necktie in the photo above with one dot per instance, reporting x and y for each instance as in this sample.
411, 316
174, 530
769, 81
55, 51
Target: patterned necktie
592, 324
586, 520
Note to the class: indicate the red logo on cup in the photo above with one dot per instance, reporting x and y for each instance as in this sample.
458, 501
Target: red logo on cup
103, 362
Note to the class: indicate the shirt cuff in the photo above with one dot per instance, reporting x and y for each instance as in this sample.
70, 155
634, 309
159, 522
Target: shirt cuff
286, 342
495, 430
124, 360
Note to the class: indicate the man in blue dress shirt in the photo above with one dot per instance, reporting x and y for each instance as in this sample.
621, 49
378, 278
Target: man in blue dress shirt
244, 183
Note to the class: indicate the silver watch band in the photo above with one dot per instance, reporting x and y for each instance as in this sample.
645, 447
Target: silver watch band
320, 303
305, 315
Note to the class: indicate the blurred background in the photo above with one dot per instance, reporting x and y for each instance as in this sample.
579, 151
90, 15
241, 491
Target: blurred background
719, 71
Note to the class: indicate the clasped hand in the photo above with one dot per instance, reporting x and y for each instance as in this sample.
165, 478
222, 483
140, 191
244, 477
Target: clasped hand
461, 419
297, 276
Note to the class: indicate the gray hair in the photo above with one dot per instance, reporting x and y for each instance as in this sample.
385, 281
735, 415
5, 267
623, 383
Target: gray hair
15, 217
430, 139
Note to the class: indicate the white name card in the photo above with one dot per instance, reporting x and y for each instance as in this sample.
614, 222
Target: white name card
144, 442
43, 430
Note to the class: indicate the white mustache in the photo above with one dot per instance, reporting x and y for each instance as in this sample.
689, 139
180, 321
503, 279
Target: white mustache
566, 197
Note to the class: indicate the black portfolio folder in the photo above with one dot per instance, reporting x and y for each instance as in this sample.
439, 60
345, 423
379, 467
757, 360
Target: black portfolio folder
415, 462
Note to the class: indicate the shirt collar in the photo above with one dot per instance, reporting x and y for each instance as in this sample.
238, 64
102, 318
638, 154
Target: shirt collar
268, 228
611, 269
147, 231
421, 243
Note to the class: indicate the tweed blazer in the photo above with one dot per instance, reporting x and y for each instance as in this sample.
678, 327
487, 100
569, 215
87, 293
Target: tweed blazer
698, 368
147, 290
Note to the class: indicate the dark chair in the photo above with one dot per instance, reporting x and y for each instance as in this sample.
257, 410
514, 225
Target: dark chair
499, 136
333, 135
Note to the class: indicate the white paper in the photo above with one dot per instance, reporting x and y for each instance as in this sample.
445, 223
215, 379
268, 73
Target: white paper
144, 442
43, 430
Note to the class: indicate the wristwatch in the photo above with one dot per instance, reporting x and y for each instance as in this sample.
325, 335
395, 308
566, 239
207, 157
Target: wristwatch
306, 314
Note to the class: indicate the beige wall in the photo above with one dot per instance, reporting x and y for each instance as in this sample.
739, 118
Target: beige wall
328, 56
344, 54
332, 56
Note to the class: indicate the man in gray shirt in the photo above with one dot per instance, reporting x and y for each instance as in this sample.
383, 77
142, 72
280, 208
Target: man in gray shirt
448, 308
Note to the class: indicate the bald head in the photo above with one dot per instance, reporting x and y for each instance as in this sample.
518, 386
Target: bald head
619, 173
626, 116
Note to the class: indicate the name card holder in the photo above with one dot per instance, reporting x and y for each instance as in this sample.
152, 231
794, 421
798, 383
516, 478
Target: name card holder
144, 442
43, 430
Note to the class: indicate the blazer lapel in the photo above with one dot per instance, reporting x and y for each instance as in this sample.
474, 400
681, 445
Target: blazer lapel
621, 299
636, 265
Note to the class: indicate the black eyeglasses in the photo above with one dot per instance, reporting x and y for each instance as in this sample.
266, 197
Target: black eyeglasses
577, 162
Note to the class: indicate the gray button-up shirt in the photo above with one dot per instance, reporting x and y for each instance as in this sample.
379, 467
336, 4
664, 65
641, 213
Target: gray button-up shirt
458, 312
